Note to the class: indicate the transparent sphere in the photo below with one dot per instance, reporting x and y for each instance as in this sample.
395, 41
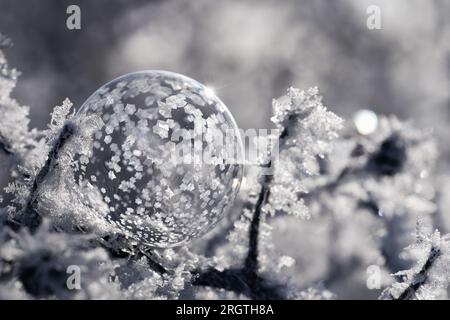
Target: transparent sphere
166, 157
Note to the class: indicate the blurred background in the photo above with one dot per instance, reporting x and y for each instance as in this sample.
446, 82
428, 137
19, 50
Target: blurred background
248, 51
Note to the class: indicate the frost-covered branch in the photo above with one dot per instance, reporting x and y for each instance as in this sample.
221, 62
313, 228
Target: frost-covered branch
302, 120
430, 277
421, 277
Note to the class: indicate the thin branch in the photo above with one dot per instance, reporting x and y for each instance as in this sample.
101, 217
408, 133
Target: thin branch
153, 264
249, 282
421, 277
251, 262
246, 280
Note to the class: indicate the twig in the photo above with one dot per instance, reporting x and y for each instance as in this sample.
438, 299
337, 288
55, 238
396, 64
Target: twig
251, 262
421, 277
153, 264
246, 280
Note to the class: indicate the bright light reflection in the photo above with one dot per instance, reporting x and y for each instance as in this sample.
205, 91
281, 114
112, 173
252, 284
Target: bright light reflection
366, 121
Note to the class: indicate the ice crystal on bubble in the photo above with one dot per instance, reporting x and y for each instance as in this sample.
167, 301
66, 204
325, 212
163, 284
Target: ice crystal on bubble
158, 157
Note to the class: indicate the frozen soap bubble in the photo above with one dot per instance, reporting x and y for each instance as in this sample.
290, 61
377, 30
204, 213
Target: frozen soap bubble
164, 158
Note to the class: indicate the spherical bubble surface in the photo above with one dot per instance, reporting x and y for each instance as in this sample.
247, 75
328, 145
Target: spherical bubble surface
165, 159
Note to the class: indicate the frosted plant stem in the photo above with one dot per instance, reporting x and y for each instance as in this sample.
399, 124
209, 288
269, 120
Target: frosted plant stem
246, 280
153, 264
31, 217
251, 262
421, 277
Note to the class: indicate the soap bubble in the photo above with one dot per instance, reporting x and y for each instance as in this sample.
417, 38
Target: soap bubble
165, 159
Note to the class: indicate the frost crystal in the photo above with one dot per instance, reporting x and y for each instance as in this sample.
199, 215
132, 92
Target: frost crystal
14, 134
